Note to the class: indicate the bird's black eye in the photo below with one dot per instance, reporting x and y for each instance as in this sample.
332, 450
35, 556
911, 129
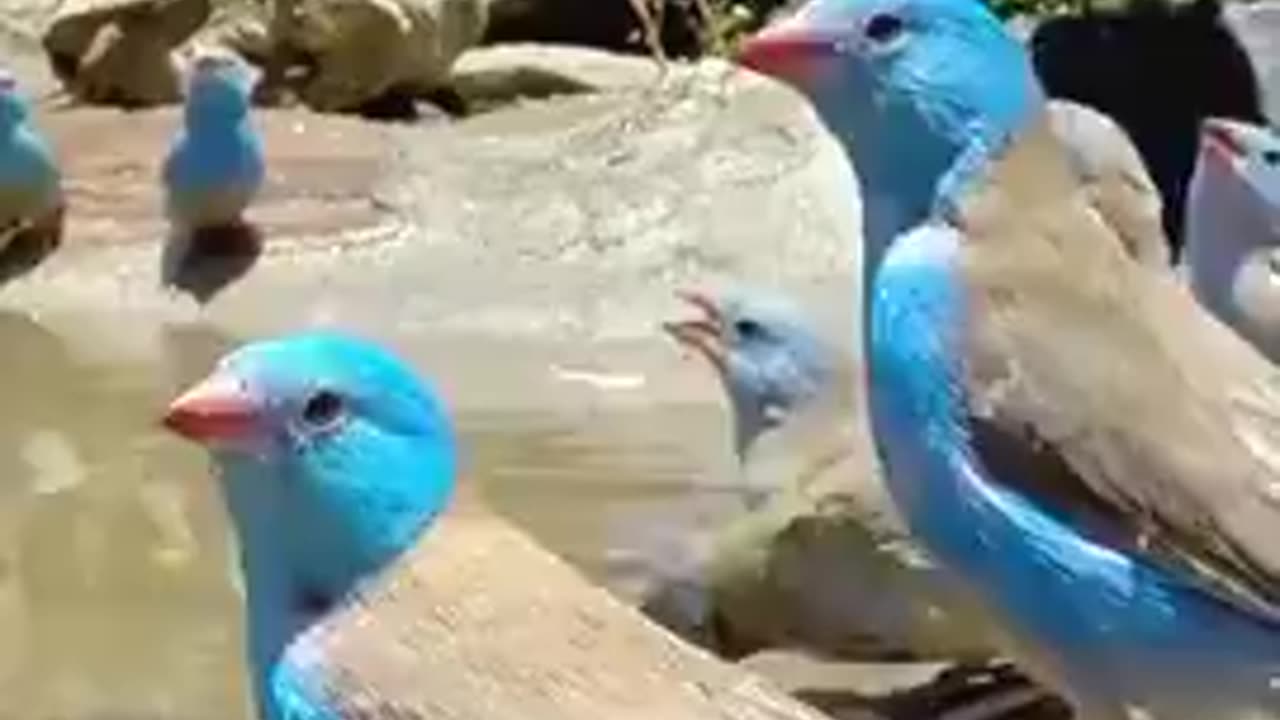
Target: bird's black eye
1271, 157
322, 409
883, 27
747, 328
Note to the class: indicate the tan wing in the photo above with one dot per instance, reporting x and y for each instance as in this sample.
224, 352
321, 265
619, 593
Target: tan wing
1111, 391
1105, 159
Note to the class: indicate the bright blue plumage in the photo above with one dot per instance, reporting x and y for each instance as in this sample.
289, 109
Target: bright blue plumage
216, 165
334, 460
924, 93
30, 182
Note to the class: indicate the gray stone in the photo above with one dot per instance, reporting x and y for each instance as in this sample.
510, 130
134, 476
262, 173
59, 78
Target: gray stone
121, 51
497, 74
359, 50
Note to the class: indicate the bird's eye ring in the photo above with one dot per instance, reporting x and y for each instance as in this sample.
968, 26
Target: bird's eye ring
323, 409
747, 328
883, 28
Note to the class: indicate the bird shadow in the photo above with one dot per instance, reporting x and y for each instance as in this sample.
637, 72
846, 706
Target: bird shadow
203, 262
991, 692
28, 246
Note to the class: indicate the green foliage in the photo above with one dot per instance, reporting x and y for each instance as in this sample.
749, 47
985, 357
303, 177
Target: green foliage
1035, 8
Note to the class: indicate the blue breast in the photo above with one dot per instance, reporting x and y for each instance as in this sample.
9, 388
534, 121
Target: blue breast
1100, 620
25, 161
215, 158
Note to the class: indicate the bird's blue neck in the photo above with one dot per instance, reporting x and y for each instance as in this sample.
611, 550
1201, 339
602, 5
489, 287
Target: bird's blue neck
270, 615
914, 148
311, 530
220, 114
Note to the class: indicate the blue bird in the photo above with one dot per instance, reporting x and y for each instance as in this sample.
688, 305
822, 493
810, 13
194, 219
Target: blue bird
31, 193
216, 165
861, 587
1232, 225
767, 356
1066, 430
334, 460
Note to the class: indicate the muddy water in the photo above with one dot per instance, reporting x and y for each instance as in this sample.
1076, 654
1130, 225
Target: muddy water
117, 585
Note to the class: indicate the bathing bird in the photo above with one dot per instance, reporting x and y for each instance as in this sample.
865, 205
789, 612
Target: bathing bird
869, 591
334, 458
31, 192
1066, 430
1232, 253
215, 167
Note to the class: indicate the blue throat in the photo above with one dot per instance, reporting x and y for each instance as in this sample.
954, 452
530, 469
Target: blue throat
303, 554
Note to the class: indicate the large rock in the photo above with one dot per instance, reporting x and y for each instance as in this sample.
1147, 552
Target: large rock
121, 51
502, 630
497, 74
357, 51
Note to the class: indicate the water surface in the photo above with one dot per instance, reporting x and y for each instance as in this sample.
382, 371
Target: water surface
118, 588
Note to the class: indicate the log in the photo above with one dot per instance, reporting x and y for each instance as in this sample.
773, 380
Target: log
480, 622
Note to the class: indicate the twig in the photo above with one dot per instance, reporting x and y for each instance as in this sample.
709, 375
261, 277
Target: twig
652, 29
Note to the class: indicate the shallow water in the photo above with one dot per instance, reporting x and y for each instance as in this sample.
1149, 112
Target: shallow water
522, 261
118, 594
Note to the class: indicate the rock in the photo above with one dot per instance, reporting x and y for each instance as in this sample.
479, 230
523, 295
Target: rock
498, 74
121, 51
502, 629
356, 51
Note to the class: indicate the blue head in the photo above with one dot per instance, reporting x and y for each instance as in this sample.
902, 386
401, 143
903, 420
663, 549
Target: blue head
334, 458
219, 90
907, 86
14, 109
770, 361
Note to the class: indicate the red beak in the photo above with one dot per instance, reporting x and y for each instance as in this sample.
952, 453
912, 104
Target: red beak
790, 51
705, 334
1217, 136
218, 408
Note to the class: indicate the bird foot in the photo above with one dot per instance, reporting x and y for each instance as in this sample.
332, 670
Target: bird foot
990, 690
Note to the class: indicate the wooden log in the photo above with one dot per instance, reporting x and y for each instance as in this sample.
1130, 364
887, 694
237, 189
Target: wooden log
479, 622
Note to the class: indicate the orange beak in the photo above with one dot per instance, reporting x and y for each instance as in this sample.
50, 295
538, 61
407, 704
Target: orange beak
219, 408
790, 51
705, 334
1218, 138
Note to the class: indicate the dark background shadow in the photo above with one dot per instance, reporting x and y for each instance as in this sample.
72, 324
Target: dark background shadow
1157, 70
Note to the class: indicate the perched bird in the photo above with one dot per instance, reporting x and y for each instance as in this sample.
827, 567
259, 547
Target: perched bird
1064, 429
31, 193
854, 584
334, 459
216, 166
1232, 253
